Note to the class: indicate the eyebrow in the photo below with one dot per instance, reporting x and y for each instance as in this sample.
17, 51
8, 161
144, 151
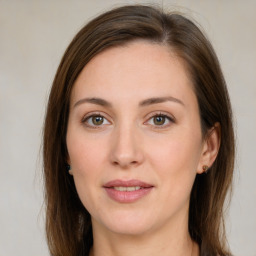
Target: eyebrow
156, 100
97, 101
146, 102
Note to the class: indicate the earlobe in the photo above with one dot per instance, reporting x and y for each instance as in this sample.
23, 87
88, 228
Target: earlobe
69, 170
210, 148
69, 166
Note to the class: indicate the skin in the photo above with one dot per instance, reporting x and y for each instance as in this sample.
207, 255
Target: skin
130, 144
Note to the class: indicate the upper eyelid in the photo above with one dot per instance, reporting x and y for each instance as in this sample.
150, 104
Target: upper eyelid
169, 120
86, 117
148, 116
97, 113
161, 113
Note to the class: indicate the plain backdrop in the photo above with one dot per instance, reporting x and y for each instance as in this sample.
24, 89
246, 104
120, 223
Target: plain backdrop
33, 37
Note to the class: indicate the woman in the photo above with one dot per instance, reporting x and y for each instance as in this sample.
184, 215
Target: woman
138, 140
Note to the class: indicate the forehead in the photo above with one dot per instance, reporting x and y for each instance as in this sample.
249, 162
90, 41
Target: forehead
139, 70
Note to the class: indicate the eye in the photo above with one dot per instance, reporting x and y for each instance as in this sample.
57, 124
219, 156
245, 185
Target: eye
160, 120
95, 120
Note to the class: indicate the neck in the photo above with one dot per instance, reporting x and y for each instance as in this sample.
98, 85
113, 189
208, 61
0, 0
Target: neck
165, 242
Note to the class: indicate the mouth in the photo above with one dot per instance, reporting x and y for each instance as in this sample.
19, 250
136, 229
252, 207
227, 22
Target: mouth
127, 188
127, 191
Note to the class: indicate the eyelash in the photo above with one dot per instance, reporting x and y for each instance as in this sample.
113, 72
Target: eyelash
87, 117
168, 117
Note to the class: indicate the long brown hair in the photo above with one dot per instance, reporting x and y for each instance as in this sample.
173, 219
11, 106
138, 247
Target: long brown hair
68, 224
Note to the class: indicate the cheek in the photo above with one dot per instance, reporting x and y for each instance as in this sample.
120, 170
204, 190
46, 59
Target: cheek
86, 157
175, 160
177, 153
86, 162
85, 151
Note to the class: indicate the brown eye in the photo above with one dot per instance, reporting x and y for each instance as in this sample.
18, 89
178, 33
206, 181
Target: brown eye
97, 120
159, 120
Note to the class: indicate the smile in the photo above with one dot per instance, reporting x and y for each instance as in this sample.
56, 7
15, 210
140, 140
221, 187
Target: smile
127, 191
127, 188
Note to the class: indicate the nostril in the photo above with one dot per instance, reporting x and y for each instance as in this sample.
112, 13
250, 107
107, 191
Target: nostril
125, 164
115, 163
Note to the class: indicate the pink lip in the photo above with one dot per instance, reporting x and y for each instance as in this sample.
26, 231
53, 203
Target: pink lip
127, 196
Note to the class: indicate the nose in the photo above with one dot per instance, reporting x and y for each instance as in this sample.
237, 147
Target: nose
126, 150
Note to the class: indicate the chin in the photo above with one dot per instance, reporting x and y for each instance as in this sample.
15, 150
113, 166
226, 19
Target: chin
127, 223
130, 228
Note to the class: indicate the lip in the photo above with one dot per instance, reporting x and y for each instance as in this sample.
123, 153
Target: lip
127, 196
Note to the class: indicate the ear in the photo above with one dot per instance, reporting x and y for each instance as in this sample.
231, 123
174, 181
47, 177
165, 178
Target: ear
69, 166
70, 171
210, 149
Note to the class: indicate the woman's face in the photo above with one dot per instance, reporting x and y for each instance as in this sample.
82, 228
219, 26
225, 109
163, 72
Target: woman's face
134, 138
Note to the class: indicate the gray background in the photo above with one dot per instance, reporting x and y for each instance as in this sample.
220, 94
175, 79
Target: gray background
33, 37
